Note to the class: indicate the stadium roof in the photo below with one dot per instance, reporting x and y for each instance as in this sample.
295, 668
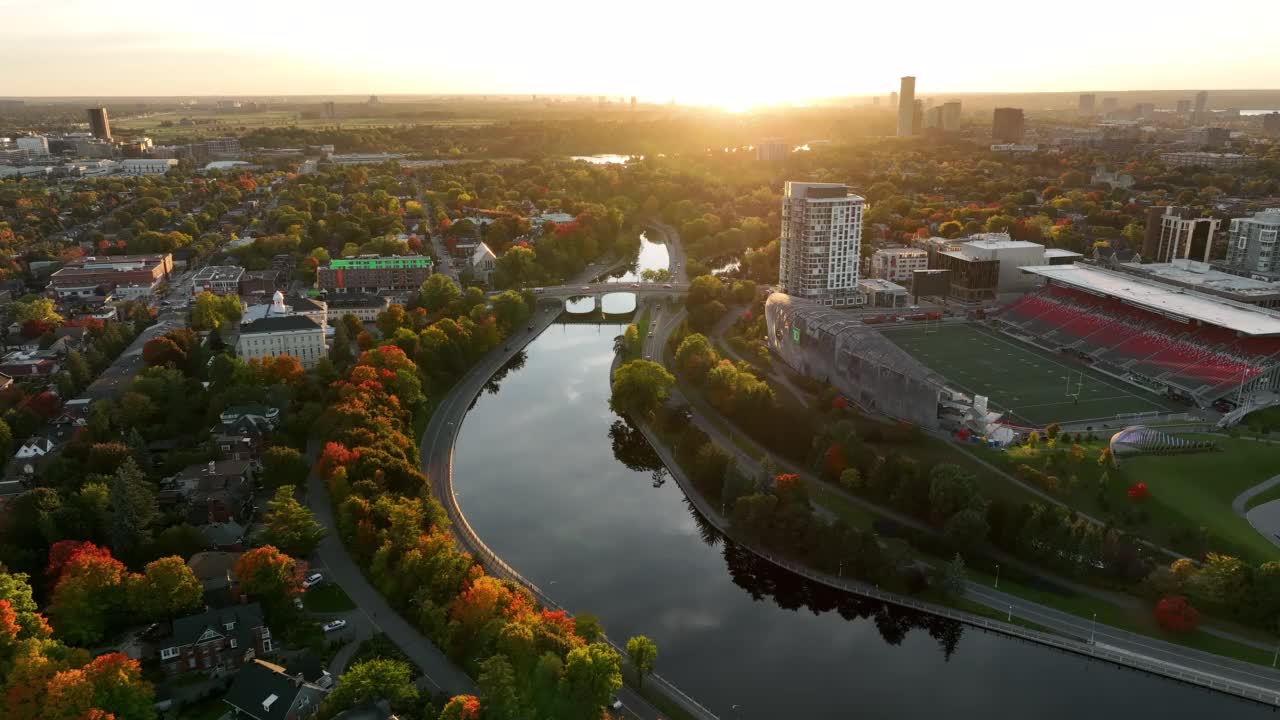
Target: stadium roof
1163, 299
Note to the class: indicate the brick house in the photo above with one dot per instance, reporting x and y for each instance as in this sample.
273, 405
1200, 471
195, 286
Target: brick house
216, 641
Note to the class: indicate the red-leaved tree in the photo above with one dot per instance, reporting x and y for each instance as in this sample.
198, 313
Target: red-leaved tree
1175, 614
1138, 492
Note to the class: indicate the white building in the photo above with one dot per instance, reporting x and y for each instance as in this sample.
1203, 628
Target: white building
34, 448
217, 279
315, 310
147, 166
1011, 254
821, 239
1253, 243
1211, 160
482, 262
36, 146
898, 264
292, 335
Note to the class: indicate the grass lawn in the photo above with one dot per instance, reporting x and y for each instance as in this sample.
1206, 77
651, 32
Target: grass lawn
1027, 383
208, 123
328, 598
1263, 497
1187, 492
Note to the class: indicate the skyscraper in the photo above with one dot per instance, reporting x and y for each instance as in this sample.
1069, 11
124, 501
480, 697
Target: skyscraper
1007, 125
98, 124
1176, 233
907, 107
1086, 104
821, 242
1202, 103
951, 116
1184, 108
1109, 104
1251, 242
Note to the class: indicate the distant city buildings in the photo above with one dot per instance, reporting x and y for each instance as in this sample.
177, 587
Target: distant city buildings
1110, 105
125, 276
1211, 160
1271, 124
907, 107
1184, 108
99, 126
821, 242
1007, 125
1208, 136
1085, 105
1144, 111
1253, 243
148, 166
772, 150
1202, 105
35, 146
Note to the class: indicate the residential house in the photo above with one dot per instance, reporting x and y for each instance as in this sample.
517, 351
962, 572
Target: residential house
35, 447
216, 641
264, 691
216, 572
217, 498
242, 439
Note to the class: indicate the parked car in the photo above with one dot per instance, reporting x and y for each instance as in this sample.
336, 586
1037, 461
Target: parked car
586, 287
333, 625
312, 580
667, 285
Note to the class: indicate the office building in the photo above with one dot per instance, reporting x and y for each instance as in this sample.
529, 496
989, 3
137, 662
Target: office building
1176, 233
1211, 160
893, 100
217, 279
1271, 124
148, 166
1202, 106
128, 277
987, 264
1086, 104
35, 146
951, 116
99, 126
293, 335
1110, 104
1184, 108
1007, 126
222, 146
772, 150
898, 264
1253, 243
907, 107
1208, 136
821, 241
373, 274
1144, 111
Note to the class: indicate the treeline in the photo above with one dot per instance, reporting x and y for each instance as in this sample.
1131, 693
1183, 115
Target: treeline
529, 662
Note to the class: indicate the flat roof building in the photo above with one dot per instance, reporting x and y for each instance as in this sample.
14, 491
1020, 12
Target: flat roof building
907, 107
1253, 243
1211, 160
1203, 277
898, 264
217, 279
1007, 125
127, 276
373, 273
99, 126
821, 242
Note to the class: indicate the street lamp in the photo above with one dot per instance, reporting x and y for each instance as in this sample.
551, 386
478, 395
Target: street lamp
1010, 618
997, 576
1093, 626
840, 569
1276, 656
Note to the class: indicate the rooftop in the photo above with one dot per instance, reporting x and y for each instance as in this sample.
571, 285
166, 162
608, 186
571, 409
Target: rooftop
373, 262
1163, 299
1270, 216
284, 323
1201, 274
218, 272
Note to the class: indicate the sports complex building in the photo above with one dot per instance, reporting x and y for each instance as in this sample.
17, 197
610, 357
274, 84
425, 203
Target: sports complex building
1086, 343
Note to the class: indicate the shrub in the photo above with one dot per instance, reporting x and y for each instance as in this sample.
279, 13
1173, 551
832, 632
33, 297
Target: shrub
1175, 614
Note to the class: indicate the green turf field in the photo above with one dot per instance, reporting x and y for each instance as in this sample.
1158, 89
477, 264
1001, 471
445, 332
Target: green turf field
1029, 384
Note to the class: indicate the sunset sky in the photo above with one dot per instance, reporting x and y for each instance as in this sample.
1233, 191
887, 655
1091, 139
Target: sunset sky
717, 53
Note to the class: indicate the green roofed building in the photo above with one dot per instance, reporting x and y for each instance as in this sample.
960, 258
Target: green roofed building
373, 273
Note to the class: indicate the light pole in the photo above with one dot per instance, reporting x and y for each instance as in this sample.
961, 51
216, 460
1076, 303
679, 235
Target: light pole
1093, 626
1276, 656
840, 569
1010, 618
997, 576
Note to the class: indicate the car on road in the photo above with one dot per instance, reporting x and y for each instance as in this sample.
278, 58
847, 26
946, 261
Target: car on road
635, 285
333, 625
312, 580
667, 285
616, 704
586, 287
537, 290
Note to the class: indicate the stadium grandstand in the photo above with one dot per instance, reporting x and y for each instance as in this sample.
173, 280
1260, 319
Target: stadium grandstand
1167, 339
839, 348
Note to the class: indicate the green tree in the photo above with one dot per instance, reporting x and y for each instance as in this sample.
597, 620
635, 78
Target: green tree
588, 627
438, 292
695, 356
951, 490
497, 683
510, 310
643, 654
133, 508
591, 675
639, 388
211, 312
966, 529
518, 267
166, 589
291, 526
372, 680
35, 309
953, 578
283, 465
6, 440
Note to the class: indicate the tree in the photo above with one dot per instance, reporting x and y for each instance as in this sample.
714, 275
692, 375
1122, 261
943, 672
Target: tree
953, 578
6, 440
163, 351
591, 676
438, 292
271, 576
588, 627
639, 388
89, 591
966, 529
133, 508
518, 267
35, 309
951, 490
643, 654
283, 465
497, 683
372, 680
166, 589
290, 525
461, 707
695, 356
210, 311
1175, 614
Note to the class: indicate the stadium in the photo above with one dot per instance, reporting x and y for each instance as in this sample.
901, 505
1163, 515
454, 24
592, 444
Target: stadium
1088, 344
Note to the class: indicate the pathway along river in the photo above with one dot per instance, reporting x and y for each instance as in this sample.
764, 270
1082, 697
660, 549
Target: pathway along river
556, 484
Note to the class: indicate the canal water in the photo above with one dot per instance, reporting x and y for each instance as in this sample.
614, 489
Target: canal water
566, 493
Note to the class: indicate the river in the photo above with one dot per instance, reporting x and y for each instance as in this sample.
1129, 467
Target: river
559, 486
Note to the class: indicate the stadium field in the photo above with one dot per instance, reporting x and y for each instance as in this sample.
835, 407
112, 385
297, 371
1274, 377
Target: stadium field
1032, 386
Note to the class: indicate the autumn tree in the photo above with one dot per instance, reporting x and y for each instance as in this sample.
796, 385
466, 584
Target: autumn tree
438, 292
461, 707
271, 576
283, 465
88, 594
1175, 614
291, 526
591, 676
643, 654
372, 680
165, 589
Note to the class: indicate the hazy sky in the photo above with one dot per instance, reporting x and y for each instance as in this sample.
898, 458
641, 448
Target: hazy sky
700, 51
